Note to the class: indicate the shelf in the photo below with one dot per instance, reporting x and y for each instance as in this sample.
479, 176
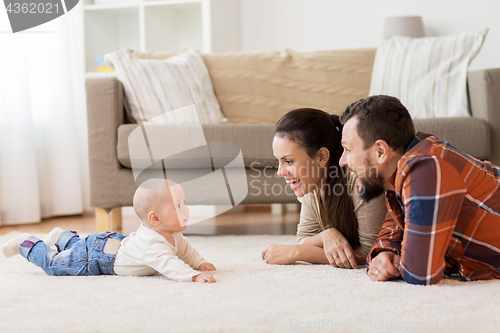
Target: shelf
98, 75
172, 3
109, 30
173, 28
128, 4
160, 25
111, 5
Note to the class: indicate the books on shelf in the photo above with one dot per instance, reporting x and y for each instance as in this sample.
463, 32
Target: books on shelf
105, 69
102, 66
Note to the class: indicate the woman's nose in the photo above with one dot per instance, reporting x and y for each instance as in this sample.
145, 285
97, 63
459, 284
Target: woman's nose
280, 171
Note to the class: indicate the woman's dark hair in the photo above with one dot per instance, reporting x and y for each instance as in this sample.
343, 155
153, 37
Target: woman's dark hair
313, 129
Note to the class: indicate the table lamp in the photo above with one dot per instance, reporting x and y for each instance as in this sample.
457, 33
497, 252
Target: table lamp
410, 26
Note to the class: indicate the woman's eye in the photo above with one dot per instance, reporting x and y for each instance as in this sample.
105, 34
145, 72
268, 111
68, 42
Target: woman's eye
288, 162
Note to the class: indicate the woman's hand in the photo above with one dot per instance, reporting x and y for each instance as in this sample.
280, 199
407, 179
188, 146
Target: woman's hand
280, 254
337, 249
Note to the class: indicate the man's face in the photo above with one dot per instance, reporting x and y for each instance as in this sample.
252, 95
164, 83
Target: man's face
359, 160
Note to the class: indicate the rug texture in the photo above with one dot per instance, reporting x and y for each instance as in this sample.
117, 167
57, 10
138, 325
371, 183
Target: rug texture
249, 296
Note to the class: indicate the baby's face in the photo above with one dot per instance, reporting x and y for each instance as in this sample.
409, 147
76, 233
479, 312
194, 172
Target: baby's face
174, 213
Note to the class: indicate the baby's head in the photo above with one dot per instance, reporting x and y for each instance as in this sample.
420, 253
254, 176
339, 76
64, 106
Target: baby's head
160, 205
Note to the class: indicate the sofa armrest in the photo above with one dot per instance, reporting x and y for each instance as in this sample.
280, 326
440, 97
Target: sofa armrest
104, 115
484, 95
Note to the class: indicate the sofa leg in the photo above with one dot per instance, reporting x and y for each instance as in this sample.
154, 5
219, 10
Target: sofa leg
108, 220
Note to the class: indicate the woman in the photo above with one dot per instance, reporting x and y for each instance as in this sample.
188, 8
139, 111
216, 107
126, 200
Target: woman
336, 226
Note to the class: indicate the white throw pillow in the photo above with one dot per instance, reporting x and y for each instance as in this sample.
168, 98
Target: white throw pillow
428, 75
155, 87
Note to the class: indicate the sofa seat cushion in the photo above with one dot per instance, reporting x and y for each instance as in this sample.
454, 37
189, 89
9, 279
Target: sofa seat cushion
471, 135
255, 142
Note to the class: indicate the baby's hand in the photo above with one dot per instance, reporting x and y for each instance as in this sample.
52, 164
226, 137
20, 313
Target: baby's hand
206, 266
203, 278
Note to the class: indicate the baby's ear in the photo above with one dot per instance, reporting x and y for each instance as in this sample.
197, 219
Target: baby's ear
154, 219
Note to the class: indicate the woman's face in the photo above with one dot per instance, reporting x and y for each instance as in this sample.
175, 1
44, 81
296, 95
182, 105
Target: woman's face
300, 171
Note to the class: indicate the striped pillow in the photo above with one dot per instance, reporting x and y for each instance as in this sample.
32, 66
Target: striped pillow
155, 87
428, 75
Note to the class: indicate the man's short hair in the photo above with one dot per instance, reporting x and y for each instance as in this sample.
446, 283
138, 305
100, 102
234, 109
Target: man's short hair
382, 117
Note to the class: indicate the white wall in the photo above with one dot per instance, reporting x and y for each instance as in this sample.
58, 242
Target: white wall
308, 25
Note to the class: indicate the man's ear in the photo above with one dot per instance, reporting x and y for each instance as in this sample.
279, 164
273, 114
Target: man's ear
154, 219
323, 155
381, 151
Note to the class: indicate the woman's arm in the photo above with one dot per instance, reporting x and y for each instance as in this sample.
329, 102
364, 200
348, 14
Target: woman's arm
336, 249
316, 240
312, 240
288, 254
312, 254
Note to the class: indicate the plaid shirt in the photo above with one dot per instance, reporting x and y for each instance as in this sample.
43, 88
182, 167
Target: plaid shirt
444, 215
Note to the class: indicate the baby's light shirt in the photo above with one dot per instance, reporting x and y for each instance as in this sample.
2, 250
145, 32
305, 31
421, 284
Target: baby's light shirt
146, 252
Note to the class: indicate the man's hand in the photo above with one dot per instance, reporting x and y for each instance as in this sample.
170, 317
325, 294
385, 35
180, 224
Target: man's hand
384, 266
280, 254
337, 249
206, 266
203, 278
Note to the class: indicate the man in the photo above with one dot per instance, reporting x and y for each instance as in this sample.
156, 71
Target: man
443, 205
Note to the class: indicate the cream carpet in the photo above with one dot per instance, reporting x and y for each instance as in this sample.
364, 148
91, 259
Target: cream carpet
249, 296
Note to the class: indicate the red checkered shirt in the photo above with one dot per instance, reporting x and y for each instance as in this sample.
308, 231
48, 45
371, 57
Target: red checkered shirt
444, 215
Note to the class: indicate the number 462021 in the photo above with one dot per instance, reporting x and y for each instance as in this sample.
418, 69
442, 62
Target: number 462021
32, 8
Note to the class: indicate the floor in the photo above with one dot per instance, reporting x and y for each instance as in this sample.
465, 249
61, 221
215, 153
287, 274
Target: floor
252, 220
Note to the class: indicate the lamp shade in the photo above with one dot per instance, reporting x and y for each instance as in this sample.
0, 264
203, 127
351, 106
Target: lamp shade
410, 26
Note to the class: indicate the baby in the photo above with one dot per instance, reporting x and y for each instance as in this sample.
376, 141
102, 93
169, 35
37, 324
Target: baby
156, 247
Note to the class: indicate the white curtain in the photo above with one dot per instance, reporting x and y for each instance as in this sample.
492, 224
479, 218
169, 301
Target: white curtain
43, 159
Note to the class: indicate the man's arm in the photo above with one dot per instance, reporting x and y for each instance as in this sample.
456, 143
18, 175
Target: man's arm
389, 238
433, 195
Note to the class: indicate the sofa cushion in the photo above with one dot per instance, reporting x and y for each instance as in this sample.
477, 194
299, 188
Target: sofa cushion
471, 135
255, 142
428, 75
260, 87
155, 87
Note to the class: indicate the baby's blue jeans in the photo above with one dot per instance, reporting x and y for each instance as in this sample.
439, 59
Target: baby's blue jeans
74, 255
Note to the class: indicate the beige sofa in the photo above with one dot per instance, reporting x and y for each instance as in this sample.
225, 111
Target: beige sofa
254, 91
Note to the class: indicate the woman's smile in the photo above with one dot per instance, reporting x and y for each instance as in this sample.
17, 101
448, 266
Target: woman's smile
294, 183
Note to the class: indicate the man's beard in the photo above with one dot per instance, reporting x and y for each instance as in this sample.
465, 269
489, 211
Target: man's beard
371, 186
